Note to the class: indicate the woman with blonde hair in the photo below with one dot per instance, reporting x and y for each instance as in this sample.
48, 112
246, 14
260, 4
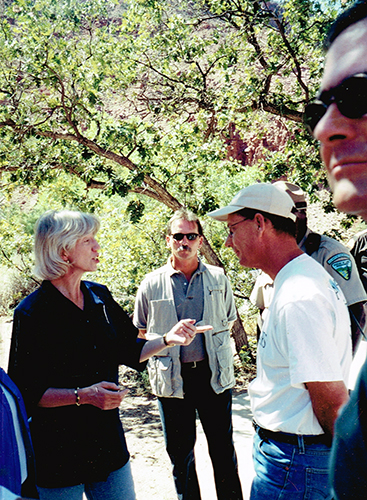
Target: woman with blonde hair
69, 338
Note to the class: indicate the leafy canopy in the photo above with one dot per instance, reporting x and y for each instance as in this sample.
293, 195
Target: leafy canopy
166, 103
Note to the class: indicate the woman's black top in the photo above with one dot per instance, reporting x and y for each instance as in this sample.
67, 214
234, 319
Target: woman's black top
56, 344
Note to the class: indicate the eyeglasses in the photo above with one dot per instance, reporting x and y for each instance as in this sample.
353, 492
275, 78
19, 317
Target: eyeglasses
230, 233
181, 236
350, 96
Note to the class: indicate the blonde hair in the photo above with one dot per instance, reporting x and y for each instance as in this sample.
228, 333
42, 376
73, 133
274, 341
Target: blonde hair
55, 232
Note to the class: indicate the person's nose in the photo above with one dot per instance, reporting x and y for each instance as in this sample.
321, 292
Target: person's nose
228, 242
334, 126
96, 246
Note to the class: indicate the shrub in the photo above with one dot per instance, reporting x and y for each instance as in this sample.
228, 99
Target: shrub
13, 287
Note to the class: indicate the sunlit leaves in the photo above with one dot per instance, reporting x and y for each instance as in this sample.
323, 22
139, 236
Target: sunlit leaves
148, 98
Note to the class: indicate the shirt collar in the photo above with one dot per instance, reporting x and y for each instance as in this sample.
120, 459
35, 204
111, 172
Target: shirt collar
200, 269
89, 295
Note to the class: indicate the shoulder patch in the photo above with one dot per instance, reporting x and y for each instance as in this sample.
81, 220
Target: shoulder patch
342, 264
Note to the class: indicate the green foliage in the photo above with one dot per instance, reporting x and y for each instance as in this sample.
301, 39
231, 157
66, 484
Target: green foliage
114, 93
137, 382
245, 364
104, 103
14, 286
248, 354
129, 250
15, 239
136, 209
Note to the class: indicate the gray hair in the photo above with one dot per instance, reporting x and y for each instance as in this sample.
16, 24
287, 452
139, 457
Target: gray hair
184, 214
55, 232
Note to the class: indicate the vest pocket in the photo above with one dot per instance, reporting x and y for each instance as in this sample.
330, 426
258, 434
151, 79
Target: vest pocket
225, 362
160, 375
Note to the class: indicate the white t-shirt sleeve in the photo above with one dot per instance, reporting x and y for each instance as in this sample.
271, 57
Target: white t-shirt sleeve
313, 352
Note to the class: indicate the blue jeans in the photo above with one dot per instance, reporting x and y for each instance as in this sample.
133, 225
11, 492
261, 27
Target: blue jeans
179, 426
118, 486
290, 472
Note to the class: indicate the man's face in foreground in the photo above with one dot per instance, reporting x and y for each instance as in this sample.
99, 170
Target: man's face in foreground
343, 141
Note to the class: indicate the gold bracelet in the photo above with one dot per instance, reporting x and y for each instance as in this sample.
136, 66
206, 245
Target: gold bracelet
77, 402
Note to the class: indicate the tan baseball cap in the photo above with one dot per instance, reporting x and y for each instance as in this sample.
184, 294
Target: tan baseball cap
295, 192
264, 197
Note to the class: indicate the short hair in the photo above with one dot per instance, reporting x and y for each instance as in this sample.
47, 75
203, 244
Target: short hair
55, 232
184, 214
280, 224
357, 12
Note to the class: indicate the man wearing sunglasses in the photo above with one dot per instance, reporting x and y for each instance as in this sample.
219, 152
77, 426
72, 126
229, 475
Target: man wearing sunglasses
304, 350
338, 119
338, 116
198, 379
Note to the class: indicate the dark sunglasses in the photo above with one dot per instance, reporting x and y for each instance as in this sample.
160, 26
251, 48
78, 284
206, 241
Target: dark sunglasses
350, 96
181, 236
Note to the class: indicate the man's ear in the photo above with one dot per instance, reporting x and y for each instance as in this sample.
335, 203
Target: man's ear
259, 220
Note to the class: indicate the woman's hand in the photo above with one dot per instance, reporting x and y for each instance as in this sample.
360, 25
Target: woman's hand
183, 333
104, 395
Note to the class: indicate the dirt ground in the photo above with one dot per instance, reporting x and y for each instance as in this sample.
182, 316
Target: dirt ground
150, 464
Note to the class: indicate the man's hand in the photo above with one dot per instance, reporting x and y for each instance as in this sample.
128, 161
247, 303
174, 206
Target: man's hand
327, 398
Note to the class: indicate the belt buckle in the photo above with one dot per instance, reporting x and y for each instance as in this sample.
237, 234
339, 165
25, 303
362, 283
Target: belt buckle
193, 364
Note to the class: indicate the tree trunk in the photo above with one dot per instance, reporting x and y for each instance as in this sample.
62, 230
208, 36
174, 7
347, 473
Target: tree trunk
239, 334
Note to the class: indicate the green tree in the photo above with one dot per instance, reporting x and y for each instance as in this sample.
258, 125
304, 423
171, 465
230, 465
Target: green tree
108, 93
145, 97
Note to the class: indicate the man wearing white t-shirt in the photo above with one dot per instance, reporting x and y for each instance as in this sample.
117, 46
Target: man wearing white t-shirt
304, 350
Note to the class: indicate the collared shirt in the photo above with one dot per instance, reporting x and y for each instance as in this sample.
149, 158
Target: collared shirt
339, 263
189, 303
155, 312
